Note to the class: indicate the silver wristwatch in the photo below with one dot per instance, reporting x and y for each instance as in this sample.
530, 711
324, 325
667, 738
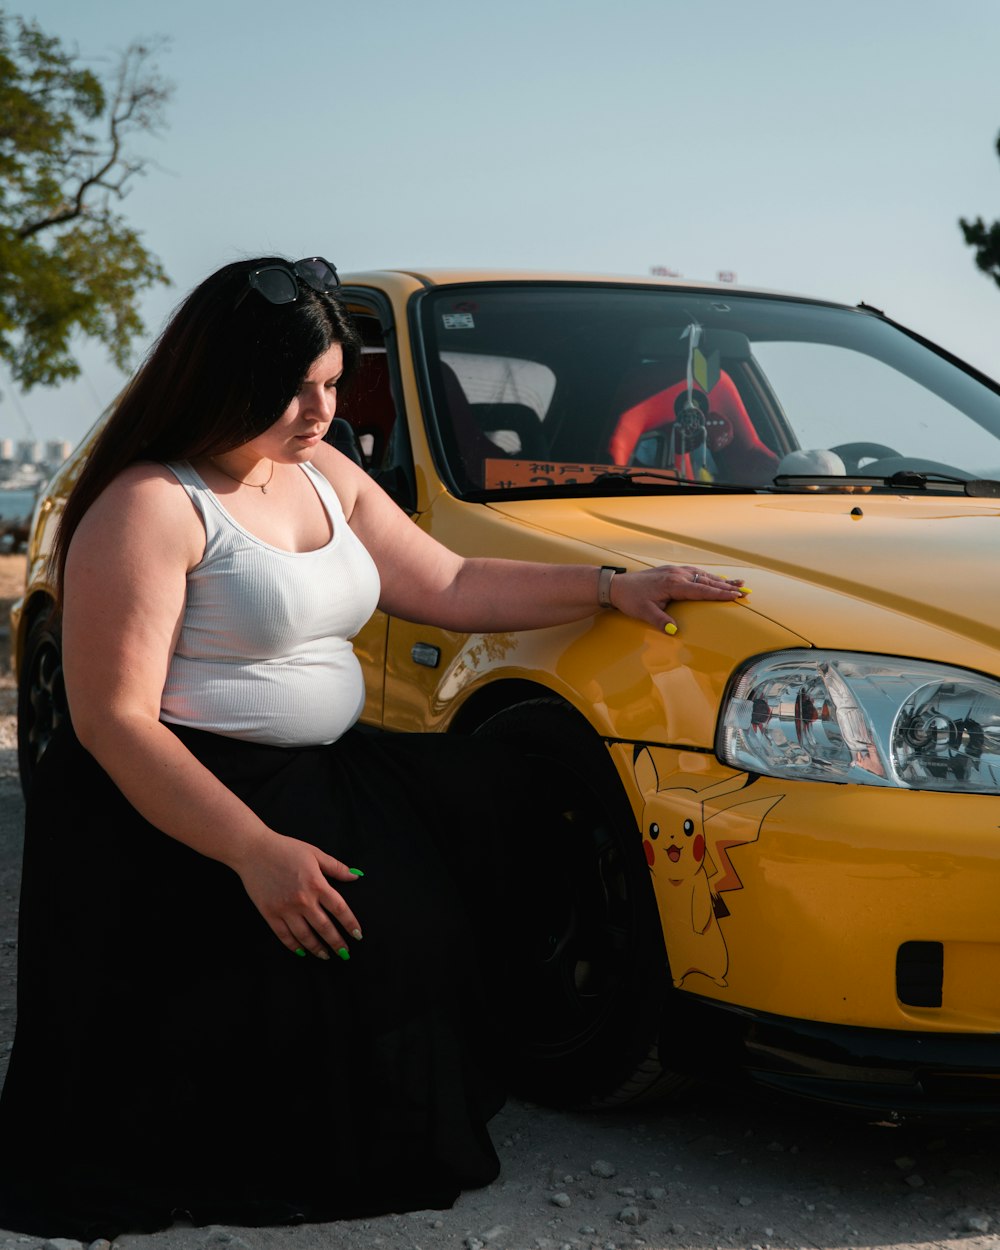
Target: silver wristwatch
604, 584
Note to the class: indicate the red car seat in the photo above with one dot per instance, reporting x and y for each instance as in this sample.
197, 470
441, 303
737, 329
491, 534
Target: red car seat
729, 432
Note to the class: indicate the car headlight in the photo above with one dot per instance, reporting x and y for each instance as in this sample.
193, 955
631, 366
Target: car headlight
873, 719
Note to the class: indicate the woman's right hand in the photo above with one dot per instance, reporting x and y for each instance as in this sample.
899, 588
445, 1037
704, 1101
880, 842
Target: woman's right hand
125, 595
287, 881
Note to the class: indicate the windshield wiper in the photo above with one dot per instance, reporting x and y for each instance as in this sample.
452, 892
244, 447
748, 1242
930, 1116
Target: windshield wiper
620, 482
650, 479
902, 479
910, 479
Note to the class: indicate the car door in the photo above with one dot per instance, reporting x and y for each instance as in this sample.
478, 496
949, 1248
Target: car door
371, 429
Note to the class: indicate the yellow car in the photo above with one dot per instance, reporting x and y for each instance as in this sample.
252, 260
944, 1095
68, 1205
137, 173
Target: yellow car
780, 850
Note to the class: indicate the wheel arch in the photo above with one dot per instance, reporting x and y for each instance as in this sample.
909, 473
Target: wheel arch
503, 695
499, 696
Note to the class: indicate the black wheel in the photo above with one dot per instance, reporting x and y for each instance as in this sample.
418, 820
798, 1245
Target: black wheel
41, 695
591, 972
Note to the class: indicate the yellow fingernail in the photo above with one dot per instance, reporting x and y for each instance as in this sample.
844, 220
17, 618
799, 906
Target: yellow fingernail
744, 590
670, 628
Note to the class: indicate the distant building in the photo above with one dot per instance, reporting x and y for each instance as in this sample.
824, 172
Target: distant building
26, 464
57, 450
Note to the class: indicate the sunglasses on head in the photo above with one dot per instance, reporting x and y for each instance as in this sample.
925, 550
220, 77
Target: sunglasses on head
279, 284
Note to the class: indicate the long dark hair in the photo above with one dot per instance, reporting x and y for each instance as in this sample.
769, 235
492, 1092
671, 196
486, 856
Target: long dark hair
222, 372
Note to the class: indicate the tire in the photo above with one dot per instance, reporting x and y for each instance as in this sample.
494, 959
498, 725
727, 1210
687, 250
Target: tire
41, 695
591, 975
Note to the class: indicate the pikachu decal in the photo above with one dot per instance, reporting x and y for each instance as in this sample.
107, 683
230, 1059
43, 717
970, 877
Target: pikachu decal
687, 836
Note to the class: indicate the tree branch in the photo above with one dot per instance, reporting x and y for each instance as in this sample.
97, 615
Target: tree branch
137, 103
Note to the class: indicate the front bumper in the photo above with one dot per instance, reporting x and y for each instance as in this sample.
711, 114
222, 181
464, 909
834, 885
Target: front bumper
852, 905
839, 942
886, 1071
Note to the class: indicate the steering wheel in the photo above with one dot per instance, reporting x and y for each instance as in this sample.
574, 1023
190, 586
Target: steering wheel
914, 464
853, 453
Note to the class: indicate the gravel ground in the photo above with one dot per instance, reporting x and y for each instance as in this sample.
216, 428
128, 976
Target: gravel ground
724, 1169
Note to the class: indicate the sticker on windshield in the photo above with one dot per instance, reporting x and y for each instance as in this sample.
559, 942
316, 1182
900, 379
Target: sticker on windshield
458, 321
504, 474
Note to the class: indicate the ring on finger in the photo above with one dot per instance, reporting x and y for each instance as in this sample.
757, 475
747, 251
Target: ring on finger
696, 577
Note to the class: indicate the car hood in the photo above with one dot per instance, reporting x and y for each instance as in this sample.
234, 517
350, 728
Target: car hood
892, 574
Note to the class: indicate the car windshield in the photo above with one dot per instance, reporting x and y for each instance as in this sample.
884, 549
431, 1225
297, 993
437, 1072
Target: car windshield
538, 387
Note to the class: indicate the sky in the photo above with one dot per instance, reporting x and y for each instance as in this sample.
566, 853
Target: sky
819, 148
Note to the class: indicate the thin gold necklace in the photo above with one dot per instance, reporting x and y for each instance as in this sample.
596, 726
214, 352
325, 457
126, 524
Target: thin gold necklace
261, 486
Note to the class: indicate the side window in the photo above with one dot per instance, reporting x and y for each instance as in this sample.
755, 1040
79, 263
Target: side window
369, 426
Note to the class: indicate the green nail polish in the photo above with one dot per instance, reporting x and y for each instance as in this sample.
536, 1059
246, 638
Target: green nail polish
300, 951
355, 872
344, 953
670, 628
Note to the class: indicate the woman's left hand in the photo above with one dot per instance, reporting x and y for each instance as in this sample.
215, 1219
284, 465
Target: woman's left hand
646, 594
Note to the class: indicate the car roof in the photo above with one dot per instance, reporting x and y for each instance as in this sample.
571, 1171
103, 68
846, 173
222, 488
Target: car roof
432, 277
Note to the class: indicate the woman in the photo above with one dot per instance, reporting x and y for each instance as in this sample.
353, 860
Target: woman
212, 816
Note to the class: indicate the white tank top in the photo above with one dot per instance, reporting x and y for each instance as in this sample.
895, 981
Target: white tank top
263, 652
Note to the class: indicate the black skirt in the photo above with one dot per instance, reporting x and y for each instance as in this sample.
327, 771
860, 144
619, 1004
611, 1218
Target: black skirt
173, 1059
